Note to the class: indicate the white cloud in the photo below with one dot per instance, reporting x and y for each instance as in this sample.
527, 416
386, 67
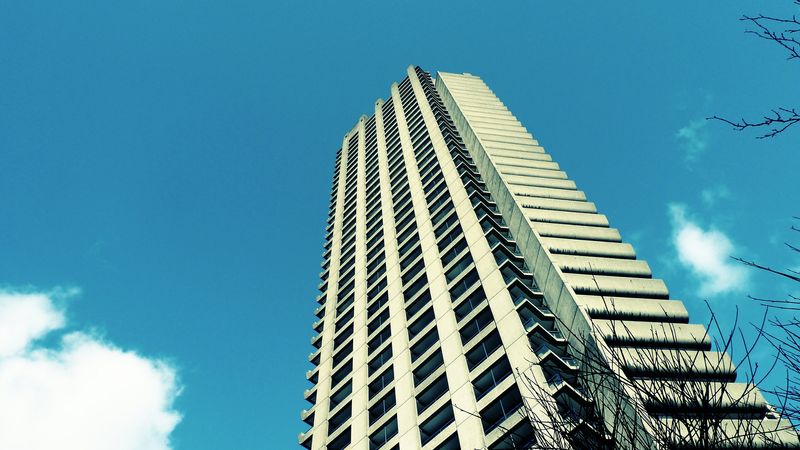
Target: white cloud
694, 138
712, 195
706, 253
23, 318
81, 392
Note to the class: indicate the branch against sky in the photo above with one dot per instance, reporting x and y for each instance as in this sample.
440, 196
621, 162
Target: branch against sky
785, 33
778, 121
784, 334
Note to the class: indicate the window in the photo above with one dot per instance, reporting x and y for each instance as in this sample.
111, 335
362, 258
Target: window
421, 282
307, 440
473, 300
382, 358
441, 215
396, 168
381, 407
521, 436
342, 354
432, 393
418, 304
413, 271
424, 344
347, 277
342, 441
348, 257
342, 373
346, 290
374, 213
436, 423
378, 321
344, 319
428, 184
499, 410
482, 210
476, 325
383, 434
436, 191
435, 205
454, 251
338, 396
343, 336
482, 351
403, 205
450, 237
423, 321
408, 259
424, 370
452, 443
381, 381
375, 251
319, 326
371, 267
343, 305
338, 419
407, 233
429, 165
406, 220
426, 180
380, 338
408, 245
459, 267
462, 286
376, 305
374, 277
374, 240
376, 290
490, 378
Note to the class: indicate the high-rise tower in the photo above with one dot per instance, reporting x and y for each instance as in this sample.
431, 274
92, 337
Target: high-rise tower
473, 298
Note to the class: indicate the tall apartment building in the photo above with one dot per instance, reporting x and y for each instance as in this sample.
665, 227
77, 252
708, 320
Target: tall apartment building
473, 298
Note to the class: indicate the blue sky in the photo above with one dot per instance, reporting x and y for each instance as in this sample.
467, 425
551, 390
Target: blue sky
166, 164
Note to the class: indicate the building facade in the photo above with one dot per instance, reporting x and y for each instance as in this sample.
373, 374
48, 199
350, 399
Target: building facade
471, 297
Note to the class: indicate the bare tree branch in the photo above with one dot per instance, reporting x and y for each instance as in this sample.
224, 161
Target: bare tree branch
765, 268
688, 409
784, 336
781, 119
782, 31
